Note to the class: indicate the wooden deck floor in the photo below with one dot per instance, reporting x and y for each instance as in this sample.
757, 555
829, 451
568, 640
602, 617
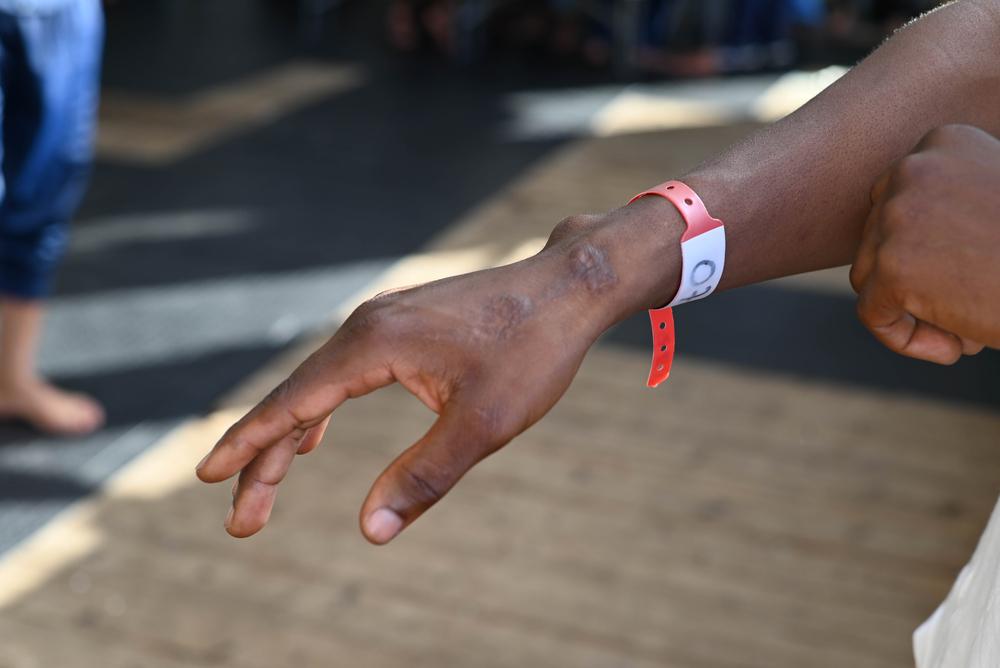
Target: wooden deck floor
815, 526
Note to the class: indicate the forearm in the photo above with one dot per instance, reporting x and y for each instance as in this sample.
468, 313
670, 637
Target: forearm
795, 195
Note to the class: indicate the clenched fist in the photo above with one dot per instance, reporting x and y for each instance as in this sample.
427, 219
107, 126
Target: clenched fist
928, 268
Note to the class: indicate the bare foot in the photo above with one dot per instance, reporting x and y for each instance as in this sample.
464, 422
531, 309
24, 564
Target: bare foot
49, 409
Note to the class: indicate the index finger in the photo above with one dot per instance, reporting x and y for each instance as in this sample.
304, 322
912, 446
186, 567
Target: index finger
330, 376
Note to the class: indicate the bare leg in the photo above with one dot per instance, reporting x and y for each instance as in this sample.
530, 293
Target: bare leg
23, 393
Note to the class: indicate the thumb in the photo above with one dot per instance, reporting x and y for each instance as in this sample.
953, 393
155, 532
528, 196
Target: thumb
423, 474
881, 311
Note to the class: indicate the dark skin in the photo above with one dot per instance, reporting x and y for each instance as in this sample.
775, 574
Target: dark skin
926, 271
491, 352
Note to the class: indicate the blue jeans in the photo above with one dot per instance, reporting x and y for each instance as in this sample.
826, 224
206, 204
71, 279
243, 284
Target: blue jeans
49, 83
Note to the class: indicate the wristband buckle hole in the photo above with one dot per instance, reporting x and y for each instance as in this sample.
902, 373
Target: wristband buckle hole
663, 349
659, 368
688, 201
663, 325
670, 187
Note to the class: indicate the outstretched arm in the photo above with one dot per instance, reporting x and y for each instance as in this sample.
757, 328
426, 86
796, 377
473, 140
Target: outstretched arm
491, 352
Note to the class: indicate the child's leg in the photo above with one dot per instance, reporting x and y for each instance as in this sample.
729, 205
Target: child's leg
50, 83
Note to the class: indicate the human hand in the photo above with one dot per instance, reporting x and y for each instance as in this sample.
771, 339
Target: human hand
926, 271
490, 352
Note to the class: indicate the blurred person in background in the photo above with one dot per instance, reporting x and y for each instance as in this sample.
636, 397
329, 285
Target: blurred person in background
412, 23
566, 29
687, 38
50, 55
893, 169
683, 38
709, 37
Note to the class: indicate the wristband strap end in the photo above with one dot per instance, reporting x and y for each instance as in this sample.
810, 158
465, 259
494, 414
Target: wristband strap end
662, 322
703, 256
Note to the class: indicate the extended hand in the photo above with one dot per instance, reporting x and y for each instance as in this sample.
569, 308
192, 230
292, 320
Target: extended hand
489, 352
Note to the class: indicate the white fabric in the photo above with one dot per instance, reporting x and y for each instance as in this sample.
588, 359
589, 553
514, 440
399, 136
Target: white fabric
965, 630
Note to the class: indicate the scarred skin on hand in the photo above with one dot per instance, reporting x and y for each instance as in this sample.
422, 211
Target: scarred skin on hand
492, 352
489, 352
926, 271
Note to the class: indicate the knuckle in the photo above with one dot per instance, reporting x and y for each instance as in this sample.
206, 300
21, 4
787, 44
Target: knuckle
281, 398
485, 421
489, 426
372, 317
369, 312
896, 213
261, 480
855, 278
915, 168
890, 266
948, 134
425, 485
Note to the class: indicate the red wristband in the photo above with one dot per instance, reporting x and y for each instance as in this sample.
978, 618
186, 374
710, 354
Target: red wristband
703, 256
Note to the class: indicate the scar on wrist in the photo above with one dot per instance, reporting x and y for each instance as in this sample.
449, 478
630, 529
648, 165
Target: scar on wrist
590, 266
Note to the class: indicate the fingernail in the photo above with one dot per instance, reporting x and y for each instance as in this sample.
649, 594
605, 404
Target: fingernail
202, 462
383, 525
229, 517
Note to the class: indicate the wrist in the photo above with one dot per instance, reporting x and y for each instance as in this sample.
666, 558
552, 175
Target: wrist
624, 262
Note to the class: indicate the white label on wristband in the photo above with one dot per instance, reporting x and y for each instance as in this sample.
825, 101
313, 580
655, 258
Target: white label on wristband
703, 259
